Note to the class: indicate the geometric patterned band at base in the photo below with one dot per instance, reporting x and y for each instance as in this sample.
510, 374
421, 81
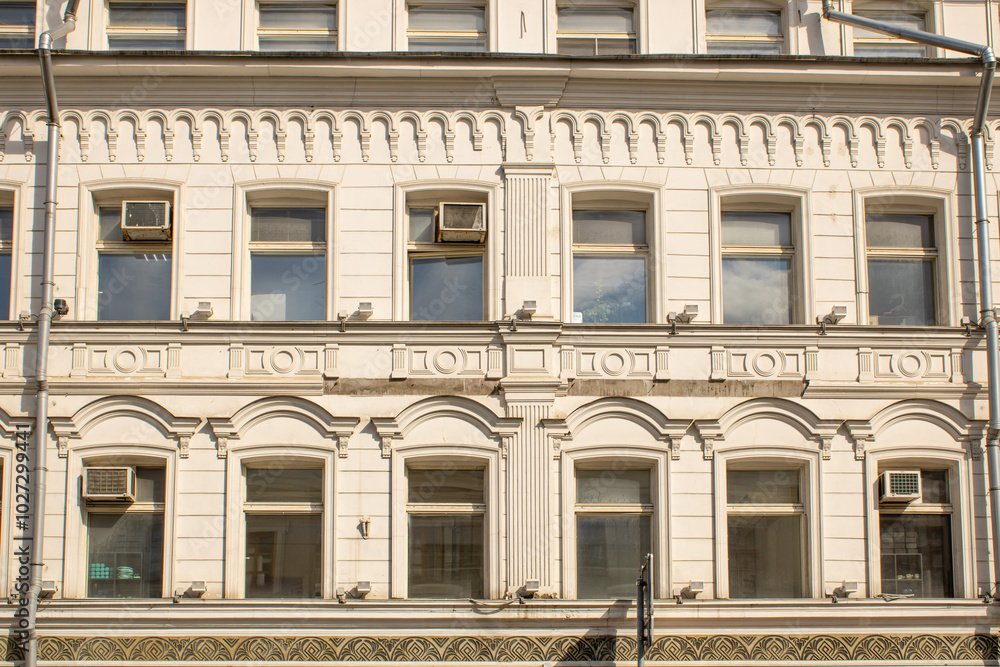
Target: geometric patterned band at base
759, 648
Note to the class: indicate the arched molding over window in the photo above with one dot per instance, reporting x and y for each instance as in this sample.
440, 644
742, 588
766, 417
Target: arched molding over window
568, 434
714, 432
230, 432
135, 419
886, 430
492, 428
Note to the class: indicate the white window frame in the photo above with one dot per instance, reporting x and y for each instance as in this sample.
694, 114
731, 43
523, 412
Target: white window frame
796, 201
287, 456
610, 195
282, 192
748, 5
104, 28
926, 201
445, 457
251, 24
959, 481
94, 195
639, 13
401, 7
933, 17
8, 511
768, 458
631, 6
790, 24
160, 456
419, 194
30, 34
625, 458
12, 194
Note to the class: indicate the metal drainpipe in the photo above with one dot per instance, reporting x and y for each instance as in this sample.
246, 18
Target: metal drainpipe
988, 321
44, 324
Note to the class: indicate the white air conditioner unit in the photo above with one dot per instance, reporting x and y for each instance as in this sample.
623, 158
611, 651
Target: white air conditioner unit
145, 220
461, 222
899, 486
109, 484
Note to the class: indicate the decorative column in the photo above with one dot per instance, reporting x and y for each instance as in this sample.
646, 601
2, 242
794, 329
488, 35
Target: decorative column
526, 251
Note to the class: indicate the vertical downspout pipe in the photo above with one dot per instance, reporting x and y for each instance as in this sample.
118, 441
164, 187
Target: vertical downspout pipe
987, 316
44, 324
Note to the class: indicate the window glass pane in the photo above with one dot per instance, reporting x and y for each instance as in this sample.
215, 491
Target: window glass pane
297, 43
284, 16
765, 556
6, 224
757, 290
17, 14
284, 556
607, 46
609, 227
443, 18
586, 46
890, 50
756, 228
610, 549
459, 45
5, 281
916, 555
146, 14
125, 555
911, 21
277, 484
762, 487
422, 225
743, 22
899, 230
133, 286
150, 485
148, 43
743, 48
288, 225
287, 287
901, 291
446, 289
609, 289
612, 486
16, 41
934, 486
445, 556
110, 223
594, 19
444, 486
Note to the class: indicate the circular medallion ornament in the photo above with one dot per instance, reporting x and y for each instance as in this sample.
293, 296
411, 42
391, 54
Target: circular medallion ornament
127, 359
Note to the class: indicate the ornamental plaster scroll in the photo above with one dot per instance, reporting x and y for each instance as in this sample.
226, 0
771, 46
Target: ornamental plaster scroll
137, 410
500, 430
714, 432
662, 430
672, 137
228, 432
967, 434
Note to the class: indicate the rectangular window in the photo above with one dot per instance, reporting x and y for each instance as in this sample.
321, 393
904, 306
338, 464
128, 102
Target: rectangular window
17, 24
446, 278
758, 281
6, 247
902, 268
595, 31
868, 43
915, 542
297, 26
610, 255
614, 513
283, 511
438, 27
125, 541
739, 30
287, 263
765, 524
154, 25
133, 276
446, 516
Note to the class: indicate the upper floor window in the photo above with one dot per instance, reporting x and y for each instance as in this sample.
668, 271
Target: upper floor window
153, 25
297, 26
610, 258
758, 277
614, 516
446, 27
743, 29
869, 43
593, 30
134, 257
17, 24
902, 268
6, 248
287, 263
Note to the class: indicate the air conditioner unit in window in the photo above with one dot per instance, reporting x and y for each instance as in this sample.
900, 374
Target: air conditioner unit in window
899, 486
145, 220
109, 484
462, 223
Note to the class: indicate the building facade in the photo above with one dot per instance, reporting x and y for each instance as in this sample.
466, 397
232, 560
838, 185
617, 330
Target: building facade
411, 327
